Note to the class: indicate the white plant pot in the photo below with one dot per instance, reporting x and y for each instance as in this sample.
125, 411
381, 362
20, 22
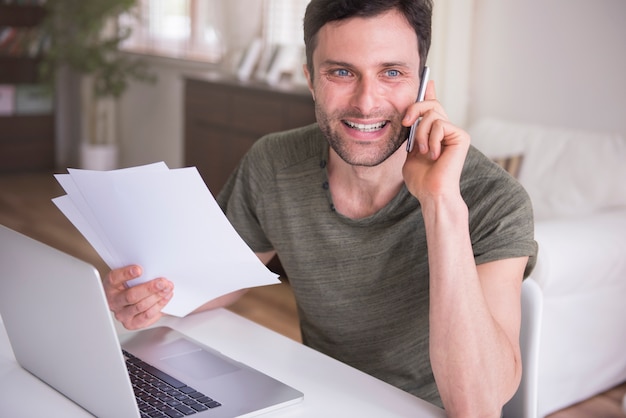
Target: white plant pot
98, 156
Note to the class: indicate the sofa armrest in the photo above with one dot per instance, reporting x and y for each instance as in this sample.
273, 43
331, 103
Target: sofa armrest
581, 268
580, 253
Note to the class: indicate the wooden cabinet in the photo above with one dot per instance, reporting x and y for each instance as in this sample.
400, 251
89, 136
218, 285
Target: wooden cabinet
26, 138
223, 118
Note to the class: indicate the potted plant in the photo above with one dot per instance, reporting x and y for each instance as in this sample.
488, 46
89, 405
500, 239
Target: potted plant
83, 36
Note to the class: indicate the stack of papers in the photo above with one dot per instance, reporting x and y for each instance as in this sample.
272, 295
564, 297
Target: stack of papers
167, 222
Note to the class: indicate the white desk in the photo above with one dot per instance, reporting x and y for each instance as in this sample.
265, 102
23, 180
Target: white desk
331, 388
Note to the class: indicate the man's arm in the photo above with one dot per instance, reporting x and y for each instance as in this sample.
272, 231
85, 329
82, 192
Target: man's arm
474, 319
474, 311
140, 306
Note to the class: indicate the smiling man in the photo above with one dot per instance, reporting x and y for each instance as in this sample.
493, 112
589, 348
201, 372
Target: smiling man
362, 89
406, 266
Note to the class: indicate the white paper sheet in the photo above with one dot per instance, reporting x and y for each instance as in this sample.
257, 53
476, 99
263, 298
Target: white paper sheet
168, 222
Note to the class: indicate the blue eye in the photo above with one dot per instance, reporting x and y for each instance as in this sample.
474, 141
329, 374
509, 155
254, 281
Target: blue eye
342, 73
393, 73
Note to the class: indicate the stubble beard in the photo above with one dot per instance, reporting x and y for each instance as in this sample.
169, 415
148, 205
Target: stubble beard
371, 156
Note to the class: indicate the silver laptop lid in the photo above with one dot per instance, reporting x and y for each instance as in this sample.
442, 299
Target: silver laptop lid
74, 350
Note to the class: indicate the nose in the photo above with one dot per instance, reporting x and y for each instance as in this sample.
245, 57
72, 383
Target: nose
366, 95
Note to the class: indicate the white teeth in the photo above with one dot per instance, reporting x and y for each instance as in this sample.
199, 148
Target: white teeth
366, 128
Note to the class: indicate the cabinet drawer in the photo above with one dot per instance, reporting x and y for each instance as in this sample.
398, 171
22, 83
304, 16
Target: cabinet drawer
26, 143
211, 106
224, 118
299, 113
217, 155
18, 70
18, 128
246, 112
256, 114
27, 155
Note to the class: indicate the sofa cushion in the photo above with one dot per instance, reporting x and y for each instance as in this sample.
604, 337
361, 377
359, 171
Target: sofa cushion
512, 164
565, 171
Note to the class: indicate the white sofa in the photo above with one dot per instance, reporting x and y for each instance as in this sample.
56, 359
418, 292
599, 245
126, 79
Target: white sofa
577, 183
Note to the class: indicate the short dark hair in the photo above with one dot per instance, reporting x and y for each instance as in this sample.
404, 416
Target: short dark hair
418, 14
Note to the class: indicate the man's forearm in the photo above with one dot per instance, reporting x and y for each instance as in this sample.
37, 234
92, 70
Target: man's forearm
472, 358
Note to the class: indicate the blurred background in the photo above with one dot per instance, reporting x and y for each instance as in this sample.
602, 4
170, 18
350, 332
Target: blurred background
554, 62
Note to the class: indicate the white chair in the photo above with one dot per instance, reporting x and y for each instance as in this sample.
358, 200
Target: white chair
524, 402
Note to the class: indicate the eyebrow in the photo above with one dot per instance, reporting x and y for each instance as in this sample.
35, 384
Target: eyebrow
329, 63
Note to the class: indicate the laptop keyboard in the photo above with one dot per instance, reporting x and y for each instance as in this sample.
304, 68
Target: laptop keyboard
160, 395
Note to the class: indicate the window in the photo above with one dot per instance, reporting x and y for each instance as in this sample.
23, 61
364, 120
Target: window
176, 28
283, 22
213, 30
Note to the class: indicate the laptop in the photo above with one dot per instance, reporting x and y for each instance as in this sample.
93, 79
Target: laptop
57, 319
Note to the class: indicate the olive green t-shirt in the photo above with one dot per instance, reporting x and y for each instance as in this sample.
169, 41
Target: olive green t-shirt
361, 285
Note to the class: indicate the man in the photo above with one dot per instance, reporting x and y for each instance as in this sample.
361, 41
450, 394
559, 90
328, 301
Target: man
391, 257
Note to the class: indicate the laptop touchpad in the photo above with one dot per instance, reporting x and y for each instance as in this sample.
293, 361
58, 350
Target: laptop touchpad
194, 361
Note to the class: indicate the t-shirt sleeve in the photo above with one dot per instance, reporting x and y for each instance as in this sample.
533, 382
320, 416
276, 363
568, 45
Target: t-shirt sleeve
500, 213
243, 193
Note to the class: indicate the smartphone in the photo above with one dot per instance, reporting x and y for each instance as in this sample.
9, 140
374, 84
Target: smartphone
420, 97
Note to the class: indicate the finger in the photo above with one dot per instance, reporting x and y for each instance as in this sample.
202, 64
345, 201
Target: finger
424, 138
144, 313
138, 321
157, 288
443, 134
146, 318
417, 109
435, 139
118, 278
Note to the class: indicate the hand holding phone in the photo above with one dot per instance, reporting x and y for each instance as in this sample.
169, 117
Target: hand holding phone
420, 97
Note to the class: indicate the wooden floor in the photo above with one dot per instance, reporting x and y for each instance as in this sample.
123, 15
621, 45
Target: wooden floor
25, 205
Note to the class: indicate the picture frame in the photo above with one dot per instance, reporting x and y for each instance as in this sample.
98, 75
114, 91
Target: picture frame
249, 60
285, 61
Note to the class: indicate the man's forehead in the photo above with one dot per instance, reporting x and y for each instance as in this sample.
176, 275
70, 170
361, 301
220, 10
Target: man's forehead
390, 19
380, 36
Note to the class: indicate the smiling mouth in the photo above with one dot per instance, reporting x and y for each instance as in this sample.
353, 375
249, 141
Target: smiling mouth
372, 127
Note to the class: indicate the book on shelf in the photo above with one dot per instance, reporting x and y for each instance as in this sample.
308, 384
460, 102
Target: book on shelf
25, 99
33, 99
7, 99
22, 41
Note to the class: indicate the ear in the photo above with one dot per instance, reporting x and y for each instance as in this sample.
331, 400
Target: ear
309, 80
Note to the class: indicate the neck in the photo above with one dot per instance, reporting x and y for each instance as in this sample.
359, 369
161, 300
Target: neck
359, 192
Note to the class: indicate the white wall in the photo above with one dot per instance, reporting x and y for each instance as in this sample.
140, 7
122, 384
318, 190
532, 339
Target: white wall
450, 55
151, 115
554, 62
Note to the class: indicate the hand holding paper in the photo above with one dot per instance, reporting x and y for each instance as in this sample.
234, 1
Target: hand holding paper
168, 222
